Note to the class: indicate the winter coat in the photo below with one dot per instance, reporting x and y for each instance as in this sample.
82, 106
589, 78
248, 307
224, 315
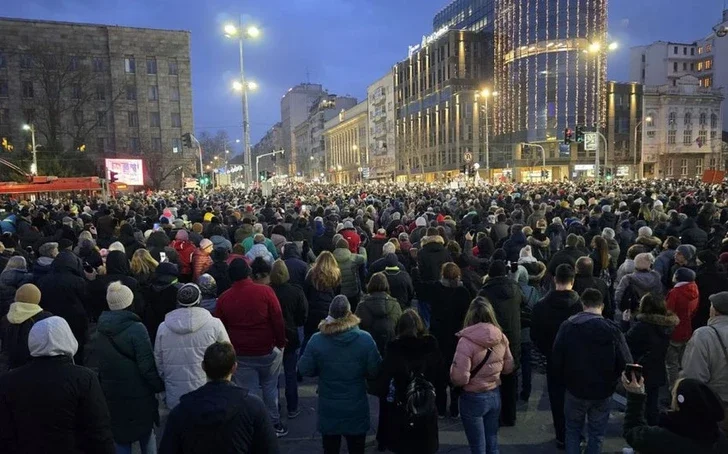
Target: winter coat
259, 250
567, 255
352, 268
400, 286
248, 244
352, 238
379, 314
448, 306
15, 278
406, 356
648, 339
704, 358
431, 257
219, 272
389, 260
128, 375
343, 357
513, 246
294, 308
297, 268
41, 267
614, 251
472, 348
624, 269
663, 264
219, 417
185, 250
634, 286
323, 242
180, 346
589, 355
14, 330
692, 234
318, 305
162, 298
499, 231
582, 283
508, 301
374, 249
117, 269
548, 315
201, 262
710, 281
683, 301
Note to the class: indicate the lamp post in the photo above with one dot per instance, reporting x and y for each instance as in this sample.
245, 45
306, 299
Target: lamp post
596, 48
486, 94
34, 167
636, 128
232, 31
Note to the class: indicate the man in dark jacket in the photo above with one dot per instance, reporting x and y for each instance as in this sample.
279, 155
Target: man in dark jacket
374, 248
389, 259
515, 243
400, 285
432, 256
569, 255
117, 269
47, 252
220, 416
500, 229
548, 314
297, 268
692, 234
507, 299
588, 357
584, 279
50, 404
161, 296
15, 326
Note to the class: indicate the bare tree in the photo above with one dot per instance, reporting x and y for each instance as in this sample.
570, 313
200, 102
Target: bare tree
214, 145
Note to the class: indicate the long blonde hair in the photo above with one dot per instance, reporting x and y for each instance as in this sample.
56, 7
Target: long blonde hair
142, 262
480, 311
325, 274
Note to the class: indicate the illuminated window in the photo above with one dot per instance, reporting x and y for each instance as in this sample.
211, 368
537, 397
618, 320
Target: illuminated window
669, 168
688, 137
684, 167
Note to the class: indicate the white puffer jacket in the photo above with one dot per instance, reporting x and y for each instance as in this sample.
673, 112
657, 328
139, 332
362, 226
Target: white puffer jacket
180, 346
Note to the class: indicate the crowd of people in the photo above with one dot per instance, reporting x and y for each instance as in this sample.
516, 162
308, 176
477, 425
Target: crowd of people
438, 301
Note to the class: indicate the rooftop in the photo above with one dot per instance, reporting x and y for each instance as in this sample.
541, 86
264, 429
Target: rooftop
83, 24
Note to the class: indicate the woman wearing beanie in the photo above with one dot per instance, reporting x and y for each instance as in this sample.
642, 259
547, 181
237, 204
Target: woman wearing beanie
127, 372
683, 301
691, 425
208, 287
341, 353
16, 273
15, 326
181, 342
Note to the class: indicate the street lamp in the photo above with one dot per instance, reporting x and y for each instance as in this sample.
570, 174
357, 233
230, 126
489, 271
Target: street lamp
597, 49
241, 33
486, 94
34, 167
647, 119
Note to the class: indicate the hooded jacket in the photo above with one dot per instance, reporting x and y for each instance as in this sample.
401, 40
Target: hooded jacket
694, 235
548, 315
431, 257
297, 268
180, 346
400, 286
513, 246
352, 271
117, 269
379, 314
185, 249
683, 301
219, 417
162, 298
387, 261
639, 284
507, 299
14, 330
648, 339
41, 267
294, 308
472, 348
352, 238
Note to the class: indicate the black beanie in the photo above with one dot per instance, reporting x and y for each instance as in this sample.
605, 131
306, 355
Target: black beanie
696, 400
238, 270
497, 269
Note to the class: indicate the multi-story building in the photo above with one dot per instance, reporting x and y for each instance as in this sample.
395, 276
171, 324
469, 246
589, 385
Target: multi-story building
683, 135
271, 141
295, 108
437, 118
347, 145
664, 63
117, 91
473, 15
382, 150
623, 125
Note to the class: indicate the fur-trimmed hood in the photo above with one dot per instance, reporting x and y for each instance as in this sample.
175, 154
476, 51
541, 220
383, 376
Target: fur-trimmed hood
330, 327
536, 271
533, 241
669, 320
432, 239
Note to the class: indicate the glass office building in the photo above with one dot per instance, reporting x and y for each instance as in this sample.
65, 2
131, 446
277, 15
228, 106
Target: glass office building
472, 15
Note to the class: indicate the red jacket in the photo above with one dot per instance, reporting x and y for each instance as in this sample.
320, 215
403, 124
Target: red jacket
352, 238
683, 301
201, 262
252, 316
184, 249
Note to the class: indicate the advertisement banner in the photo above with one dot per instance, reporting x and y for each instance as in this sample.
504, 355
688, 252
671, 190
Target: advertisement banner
128, 171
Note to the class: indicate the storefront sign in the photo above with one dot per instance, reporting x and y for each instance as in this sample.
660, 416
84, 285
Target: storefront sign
427, 39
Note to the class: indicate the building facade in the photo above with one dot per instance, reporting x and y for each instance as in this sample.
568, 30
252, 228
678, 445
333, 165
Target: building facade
622, 131
347, 145
437, 118
295, 108
382, 149
121, 91
684, 136
472, 15
271, 141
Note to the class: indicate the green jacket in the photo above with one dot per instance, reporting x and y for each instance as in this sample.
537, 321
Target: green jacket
248, 245
353, 271
379, 314
128, 375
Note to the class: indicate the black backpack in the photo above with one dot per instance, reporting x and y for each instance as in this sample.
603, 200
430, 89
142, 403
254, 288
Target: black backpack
419, 399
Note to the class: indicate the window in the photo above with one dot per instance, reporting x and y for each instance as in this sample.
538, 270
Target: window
692, 51
173, 69
671, 137
100, 93
672, 118
176, 145
713, 134
3, 60
674, 67
101, 118
129, 65
101, 144
76, 91
650, 134
174, 94
700, 66
703, 118
4, 90
98, 64
153, 93
685, 50
708, 64
643, 58
26, 61
151, 66
131, 93
692, 66
688, 137
713, 121
708, 48
685, 66
700, 50
713, 162
703, 137
699, 166
134, 145
674, 50
154, 120
670, 169
27, 89
683, 167
688, 120
176, 120
133, 119
156, 144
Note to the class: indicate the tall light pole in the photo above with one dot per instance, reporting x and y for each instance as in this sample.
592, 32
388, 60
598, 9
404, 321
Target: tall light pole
597, 48
485, 94
232, 31
34, 167
636, 128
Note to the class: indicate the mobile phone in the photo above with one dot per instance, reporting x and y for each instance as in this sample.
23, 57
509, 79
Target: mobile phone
162, 256
156, 226
472, 232
633, 368
88, 268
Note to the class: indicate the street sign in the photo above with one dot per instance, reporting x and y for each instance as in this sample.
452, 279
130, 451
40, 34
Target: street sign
590, 141
468, 156
365, 172
564, 150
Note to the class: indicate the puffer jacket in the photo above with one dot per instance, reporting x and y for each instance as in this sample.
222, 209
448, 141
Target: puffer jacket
683, 301
379, 314
15, 278
508, 300
471, 350
352, 271
180, 346
259, 250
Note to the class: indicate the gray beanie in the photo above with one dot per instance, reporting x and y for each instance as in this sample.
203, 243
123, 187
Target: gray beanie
189, 295
339, 307
119, 296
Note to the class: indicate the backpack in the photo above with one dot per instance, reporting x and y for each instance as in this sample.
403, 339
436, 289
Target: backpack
556, 241
419, 401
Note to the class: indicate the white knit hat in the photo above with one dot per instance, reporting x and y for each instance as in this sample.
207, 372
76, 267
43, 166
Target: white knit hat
119, 296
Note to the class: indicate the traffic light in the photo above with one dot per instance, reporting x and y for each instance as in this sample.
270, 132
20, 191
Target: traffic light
113, 176
608, 172
262, 176
568, 135
526, 151
601, 172
579, 134
187, 140
82, 147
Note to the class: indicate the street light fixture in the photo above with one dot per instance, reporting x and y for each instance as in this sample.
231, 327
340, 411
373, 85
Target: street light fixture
34, 166
597, 48
486, 94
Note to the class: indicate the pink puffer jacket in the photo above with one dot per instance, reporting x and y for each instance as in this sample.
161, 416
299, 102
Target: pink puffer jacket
472, 347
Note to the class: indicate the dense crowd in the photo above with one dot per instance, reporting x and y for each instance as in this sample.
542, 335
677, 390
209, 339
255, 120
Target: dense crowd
440, 302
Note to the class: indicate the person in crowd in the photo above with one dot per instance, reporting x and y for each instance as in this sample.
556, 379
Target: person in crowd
376, 245
260, 271
16, 273
431, 255
569, 255
588, 357
208, 287
219, 269
666, 259
504, 294
548, 315
389, 260
259, 249
160, 297
685, 256
609, 236
531, 295
634, 286
15, 326
185, 250
706, 356
117, 269
353, 272
585, 279
682, 300
648, 340
181, 341
252, 316
127, 372
379, 312
323, 283
627, 267
42, 266
601, 260
249, 242
482, 355
710, 280
51, 404
294, 308
413, 353
691, 425
297, 268
401, 286
341, 353
352, 237
143, 266
201, 260
219, 416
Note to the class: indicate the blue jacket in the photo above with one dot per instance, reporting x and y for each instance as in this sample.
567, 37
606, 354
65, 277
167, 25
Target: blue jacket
663, 264
343, 357
297, 268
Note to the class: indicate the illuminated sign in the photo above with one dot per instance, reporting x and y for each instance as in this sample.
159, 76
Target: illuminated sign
129, 171
427, 39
